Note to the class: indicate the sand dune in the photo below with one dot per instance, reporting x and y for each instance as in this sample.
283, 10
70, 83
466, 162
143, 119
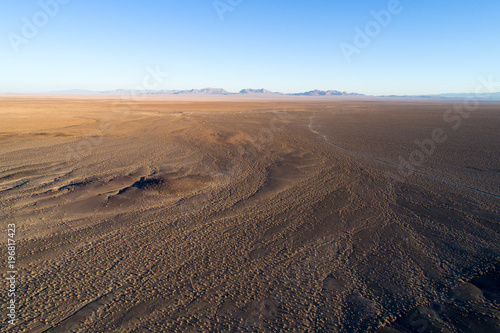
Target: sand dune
250, 216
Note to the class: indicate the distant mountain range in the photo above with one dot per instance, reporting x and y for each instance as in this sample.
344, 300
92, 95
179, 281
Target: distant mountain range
482, 96
205, 91
265, 92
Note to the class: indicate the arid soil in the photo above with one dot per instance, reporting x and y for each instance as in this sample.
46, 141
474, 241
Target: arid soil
293, 215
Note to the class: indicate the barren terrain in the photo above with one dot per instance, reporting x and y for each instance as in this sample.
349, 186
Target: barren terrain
292, 215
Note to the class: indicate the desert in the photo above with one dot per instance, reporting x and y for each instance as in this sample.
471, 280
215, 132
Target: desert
283, 214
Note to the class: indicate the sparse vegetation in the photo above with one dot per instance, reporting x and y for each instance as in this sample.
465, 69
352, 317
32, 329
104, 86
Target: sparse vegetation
184, 217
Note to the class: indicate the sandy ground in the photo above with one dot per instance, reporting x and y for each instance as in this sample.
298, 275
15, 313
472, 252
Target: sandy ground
251, 215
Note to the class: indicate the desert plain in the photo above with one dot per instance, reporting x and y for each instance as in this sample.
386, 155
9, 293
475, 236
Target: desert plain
251, 215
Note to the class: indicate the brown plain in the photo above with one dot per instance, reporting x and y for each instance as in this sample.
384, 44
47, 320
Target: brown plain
204, 215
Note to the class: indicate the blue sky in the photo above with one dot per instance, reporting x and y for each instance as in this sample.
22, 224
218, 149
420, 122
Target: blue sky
289, 46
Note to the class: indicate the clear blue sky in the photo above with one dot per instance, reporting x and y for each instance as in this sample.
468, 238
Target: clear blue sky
289, 46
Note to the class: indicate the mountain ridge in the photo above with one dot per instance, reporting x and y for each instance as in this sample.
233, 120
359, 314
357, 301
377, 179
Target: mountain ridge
265, 92
207, 91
